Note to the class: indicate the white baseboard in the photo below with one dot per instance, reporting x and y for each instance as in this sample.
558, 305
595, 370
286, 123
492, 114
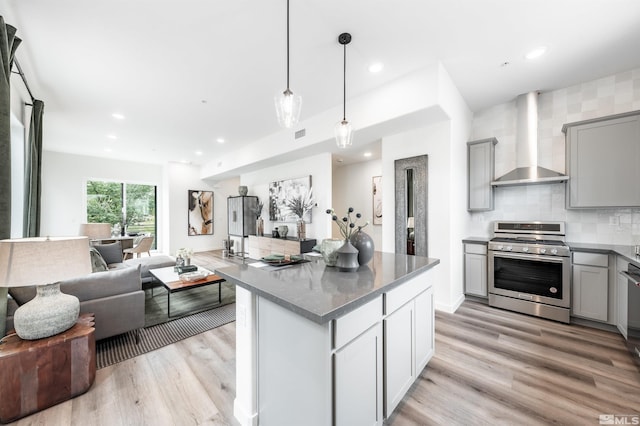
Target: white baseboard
450, 308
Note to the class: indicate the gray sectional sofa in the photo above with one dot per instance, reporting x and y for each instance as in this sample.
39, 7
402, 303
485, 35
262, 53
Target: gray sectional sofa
114, 292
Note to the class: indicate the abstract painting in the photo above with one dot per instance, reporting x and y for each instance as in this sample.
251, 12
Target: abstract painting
200, 214
283, 190
377, 200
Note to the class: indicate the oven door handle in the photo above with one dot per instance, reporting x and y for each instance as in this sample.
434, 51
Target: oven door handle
631, 277
532, 257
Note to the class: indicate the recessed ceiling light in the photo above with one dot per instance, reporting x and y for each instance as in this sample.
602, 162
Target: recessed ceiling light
376, 67
367, 154
112, 136
117, 116
536, 53
220, 140
108, 150
198, 152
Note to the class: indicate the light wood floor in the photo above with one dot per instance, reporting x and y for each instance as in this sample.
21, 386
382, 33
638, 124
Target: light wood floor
490, 367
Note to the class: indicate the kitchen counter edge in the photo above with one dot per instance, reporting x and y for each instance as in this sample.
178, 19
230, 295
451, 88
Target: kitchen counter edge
331, 314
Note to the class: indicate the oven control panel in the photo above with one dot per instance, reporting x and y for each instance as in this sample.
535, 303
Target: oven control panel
560, 250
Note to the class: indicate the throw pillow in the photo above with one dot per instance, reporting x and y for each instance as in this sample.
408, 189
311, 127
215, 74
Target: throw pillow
97, 261
111, 253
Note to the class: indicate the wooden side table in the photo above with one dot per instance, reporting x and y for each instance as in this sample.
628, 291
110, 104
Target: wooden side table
36, 374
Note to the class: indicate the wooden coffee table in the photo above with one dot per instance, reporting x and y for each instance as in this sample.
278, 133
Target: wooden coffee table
170, 279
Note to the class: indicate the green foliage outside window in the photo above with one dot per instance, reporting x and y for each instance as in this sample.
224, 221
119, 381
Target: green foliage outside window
105, 201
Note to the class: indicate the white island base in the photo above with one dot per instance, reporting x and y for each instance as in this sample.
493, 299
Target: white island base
351, 370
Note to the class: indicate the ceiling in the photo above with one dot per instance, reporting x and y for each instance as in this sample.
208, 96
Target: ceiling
187, 73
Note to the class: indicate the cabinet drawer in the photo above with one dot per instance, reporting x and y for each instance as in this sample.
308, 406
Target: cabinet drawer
397, 297
277, 246
264, 243
592, 259
291, 247
351, 325
475, 248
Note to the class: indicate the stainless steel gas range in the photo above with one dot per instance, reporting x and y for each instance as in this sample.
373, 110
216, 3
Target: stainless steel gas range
530, 269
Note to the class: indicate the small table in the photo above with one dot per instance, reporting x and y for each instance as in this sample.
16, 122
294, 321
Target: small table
170, 279
37, 374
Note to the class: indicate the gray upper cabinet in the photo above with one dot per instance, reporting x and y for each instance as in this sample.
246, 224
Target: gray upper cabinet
242, 215
602, 161
481, 163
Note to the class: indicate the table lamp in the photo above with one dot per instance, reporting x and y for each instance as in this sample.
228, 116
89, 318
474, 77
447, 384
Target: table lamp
44, 262
95, 231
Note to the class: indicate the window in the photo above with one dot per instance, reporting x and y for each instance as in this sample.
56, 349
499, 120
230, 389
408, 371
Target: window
121, 203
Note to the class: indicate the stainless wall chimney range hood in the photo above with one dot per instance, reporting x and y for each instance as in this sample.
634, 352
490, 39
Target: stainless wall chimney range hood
527, 171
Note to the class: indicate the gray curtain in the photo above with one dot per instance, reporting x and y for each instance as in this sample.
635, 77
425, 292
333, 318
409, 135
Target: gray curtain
33, 173
8, 45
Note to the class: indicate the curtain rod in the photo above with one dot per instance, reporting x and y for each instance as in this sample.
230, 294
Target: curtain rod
24, 78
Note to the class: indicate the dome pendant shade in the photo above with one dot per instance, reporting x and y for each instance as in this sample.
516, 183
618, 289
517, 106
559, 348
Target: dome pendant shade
288, 106
343, 134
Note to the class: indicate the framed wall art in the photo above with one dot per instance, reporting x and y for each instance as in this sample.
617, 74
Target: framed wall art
282, 192
377, 200
200, 213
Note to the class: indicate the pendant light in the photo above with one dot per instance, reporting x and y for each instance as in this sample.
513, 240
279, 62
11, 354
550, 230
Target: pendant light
343, 129
287, 103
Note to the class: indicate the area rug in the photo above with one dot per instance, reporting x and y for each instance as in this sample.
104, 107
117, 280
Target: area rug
184, 302
122, 347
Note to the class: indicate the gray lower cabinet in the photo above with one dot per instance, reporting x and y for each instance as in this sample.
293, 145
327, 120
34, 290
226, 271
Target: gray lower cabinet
475, 269
590, 287
481, 164
602, 161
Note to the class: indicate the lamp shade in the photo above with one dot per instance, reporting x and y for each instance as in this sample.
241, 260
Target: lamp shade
38, 261
344, 133
288, 106
95, 231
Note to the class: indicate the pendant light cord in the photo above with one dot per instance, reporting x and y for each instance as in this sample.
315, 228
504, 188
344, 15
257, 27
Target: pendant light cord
287, 45
344, 85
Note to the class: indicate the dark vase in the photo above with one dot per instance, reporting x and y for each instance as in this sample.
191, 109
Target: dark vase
364, 243
347, 258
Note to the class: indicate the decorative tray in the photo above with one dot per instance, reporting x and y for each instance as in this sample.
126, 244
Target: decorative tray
281, 260
193, 276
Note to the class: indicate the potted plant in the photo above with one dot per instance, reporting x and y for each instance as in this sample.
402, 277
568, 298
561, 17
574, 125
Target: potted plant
300, 206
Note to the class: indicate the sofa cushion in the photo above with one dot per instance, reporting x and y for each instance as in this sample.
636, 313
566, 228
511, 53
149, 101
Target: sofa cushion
97, 261
88, 287
151, 262
22, 294
111, 253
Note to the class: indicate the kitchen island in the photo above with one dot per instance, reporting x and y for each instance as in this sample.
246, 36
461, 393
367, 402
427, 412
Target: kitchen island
310, 346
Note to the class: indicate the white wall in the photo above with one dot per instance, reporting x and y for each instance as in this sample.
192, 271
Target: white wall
352, 187
179, 179
64, 178
605, 96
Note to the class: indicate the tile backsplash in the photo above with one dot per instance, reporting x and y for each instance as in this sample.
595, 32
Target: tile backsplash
598, 98
546, 202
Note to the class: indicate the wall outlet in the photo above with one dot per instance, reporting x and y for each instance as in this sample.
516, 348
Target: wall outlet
614, 220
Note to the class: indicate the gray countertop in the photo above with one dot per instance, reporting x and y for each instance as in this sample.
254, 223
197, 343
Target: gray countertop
321, 293
628, 252
476, 240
